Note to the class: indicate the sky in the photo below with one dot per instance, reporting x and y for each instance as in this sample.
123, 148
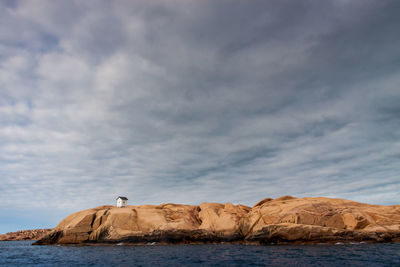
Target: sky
190, 101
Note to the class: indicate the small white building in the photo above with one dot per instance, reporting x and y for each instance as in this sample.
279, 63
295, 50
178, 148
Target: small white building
121, 202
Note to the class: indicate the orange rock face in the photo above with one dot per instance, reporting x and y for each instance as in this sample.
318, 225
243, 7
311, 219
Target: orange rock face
286, 219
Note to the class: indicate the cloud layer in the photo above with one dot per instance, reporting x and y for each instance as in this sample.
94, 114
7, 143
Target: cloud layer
192, 101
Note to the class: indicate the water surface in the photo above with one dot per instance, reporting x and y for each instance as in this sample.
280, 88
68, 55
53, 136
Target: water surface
21, 253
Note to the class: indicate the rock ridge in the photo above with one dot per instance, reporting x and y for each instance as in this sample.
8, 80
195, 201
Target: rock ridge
283, 220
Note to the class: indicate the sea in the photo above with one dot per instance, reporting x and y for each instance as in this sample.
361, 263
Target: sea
22, 253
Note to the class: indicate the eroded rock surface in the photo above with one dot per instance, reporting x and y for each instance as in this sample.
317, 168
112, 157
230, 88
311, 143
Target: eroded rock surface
286, 219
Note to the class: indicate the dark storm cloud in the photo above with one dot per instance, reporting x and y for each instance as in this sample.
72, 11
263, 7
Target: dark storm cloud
190, 101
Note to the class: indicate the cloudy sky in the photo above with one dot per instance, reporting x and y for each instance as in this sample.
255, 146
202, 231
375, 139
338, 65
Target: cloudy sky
194, 101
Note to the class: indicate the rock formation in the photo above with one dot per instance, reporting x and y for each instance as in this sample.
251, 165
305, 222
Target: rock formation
25, 235
282, 220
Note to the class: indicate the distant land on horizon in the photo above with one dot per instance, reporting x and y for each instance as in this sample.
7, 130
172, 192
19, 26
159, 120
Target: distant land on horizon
31, 234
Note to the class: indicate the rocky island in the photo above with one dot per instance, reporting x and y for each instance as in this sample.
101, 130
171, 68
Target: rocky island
282, 220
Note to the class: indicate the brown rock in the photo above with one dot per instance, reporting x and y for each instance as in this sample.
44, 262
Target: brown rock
35, 234
262, 201
286, 219
222, 220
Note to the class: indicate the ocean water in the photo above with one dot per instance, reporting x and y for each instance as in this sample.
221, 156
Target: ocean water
21, 253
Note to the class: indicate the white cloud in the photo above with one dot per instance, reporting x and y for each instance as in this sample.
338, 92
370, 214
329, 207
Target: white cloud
191, 102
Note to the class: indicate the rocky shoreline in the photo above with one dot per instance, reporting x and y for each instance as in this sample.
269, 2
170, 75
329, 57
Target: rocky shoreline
34, 234
271, 221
